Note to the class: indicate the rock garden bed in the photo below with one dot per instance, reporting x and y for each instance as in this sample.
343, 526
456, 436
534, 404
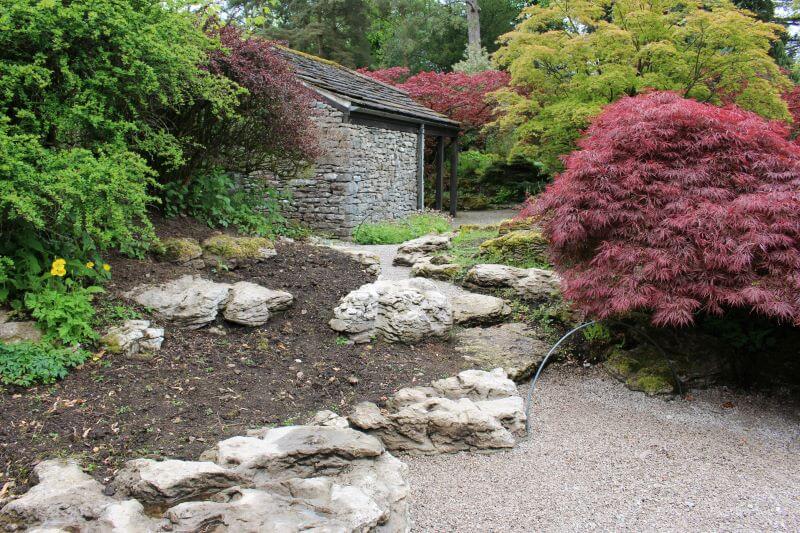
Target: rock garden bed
215, 382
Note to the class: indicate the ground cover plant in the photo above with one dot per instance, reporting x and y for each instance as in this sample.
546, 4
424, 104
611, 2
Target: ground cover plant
398, 231
678, 208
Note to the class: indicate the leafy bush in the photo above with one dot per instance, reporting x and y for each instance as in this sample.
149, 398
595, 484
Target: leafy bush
268, 127
499, 179
397, 231
65, 314
216, 199
27, 363
676, 207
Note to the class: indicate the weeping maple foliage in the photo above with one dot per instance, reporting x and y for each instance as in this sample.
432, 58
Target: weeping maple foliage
457, 95
676, 207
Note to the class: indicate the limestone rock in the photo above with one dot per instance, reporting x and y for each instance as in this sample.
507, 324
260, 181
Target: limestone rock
436, 425
515, 224
14, 332
538, 284
476, 385
179, 249
470, 309
293, 451
250, 304
239, 248
411, 315
123, 517
490, 275
515, 347
189, 301
415, 250
328, 418
63, 497
475, 410
172, 480
428, 269
369, 260
132, 337
399, 311
530, 283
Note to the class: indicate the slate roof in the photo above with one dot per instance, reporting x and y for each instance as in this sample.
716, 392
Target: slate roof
364, 93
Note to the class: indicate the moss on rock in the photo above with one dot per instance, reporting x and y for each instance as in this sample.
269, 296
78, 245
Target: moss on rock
178, 249
513, 224
642, 369
229, 247
525, 248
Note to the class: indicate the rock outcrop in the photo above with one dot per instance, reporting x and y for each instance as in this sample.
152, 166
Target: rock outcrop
475, 410
132, 337
534, 284
398, 311
414, 251
472, 309
514, 346
289, 479
179, 250
192, 302
18, 331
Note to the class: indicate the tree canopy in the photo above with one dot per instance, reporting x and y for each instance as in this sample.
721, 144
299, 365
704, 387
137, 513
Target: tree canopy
569, 59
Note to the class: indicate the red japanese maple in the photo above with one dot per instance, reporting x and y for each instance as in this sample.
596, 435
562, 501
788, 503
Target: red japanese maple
678, 207
457, 95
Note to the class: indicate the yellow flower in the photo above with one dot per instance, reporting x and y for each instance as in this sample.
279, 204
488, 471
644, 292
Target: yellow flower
89, 265
106, 267
57, 268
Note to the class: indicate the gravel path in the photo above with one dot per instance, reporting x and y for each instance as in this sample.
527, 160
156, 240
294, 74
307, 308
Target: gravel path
484, 218
604, 458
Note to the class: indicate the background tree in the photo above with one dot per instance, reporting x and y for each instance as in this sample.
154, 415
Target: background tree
568, 60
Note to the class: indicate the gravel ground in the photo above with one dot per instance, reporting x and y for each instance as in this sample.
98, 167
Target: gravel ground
483, 218
604, 458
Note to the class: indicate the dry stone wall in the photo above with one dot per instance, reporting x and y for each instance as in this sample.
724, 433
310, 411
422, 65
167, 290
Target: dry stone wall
363, 173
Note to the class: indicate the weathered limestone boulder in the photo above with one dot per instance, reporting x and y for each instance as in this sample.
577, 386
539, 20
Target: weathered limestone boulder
190, 301
436, 425
14, 332
399, 311
230, 249
515, 346
65, 498
529, 283
179, 249
369, 260
250, 304
471, 309
521, 246
132, 337
159, 482
494, 276
416, 250
328, 418
428, 269
475, 410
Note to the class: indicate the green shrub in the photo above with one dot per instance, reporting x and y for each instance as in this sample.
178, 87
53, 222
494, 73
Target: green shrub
28, 363
398, 231
487, 178
217, 200
65, 314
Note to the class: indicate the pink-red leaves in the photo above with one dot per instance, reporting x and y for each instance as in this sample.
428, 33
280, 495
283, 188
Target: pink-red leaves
677, 207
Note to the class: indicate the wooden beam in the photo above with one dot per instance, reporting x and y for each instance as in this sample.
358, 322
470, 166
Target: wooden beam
453, 176
421, 167
439, 171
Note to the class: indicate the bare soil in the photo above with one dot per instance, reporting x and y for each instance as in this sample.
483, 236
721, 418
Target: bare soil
203, 387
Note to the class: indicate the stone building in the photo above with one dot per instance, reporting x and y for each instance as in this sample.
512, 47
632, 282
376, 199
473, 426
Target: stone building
372, 139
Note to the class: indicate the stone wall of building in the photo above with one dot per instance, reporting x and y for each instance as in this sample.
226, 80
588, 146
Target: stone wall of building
363, 174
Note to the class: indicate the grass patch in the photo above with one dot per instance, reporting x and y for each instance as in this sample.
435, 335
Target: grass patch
398, 231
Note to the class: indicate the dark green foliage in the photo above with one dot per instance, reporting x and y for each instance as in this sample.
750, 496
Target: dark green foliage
498, 179
27, 363
217, 200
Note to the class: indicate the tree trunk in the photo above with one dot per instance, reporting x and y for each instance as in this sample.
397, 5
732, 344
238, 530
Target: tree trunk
473, 23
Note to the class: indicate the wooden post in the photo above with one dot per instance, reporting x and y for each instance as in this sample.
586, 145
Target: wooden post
439, 171
453, 176
421, 168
